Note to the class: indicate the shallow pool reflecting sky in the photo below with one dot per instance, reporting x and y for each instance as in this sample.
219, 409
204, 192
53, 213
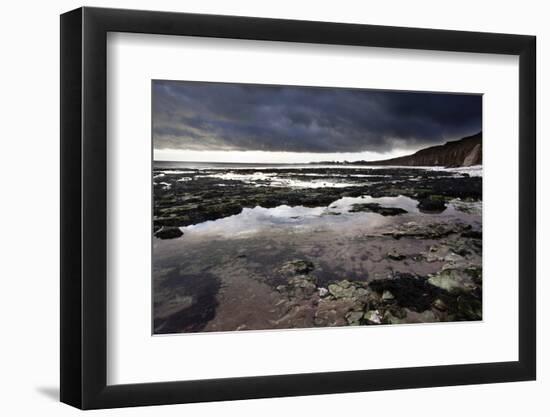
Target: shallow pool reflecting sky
336, 215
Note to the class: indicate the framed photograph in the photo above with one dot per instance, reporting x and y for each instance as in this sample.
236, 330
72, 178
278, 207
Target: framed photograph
257, 208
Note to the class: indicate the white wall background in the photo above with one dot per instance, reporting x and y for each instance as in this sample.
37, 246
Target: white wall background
29, 266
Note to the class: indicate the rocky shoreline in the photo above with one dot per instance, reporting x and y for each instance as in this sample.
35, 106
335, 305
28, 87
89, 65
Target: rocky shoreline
182, 199
451, 294
409, 265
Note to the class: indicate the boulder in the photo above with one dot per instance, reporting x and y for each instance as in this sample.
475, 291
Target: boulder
169, 233
353, 317
389, 318
297, 267
323, 292
342, 289
301, 286
427, 316
387, 296
373, 317
452, 280
430, 205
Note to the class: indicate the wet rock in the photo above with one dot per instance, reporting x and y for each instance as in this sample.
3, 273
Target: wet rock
426, 231
454, 280
477, 246
301, 287
468, 308
453, 258
467, 206
431, 257
297, 267
195, 197
332, 312
473, 234
298, 287
395, 256
342, 289
465, 246
347, 290
396, 311
475, 274
387, 296
281, 288
389, 318
199, 199
377, 208
462, 251
431, 205
440, 304
169, 233
179, 215
427, 316
408, 291
354, 317
301, 281
436, 253
361, 294
373, 317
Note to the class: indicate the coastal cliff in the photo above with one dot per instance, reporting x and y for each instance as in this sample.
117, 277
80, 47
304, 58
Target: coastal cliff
459, 153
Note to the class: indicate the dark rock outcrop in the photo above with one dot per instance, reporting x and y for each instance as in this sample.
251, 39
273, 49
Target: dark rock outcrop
377, 208
431, 205
201, 198
169, 233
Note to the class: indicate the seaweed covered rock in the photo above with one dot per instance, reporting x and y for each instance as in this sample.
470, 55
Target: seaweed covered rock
168, 233
377, 208
473, 234
341, 289
347, 289
452, 280
431, 205
373, 317
406, 290
354, 317
301, 286
297, 267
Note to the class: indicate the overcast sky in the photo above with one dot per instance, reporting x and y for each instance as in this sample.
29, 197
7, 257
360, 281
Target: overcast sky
200, 121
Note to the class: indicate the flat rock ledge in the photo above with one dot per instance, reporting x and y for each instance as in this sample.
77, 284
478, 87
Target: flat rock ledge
453, 294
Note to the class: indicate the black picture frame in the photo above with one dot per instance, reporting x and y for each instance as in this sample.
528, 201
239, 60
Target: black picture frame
84, 207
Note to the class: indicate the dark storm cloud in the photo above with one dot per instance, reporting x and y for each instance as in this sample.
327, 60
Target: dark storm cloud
212, 116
